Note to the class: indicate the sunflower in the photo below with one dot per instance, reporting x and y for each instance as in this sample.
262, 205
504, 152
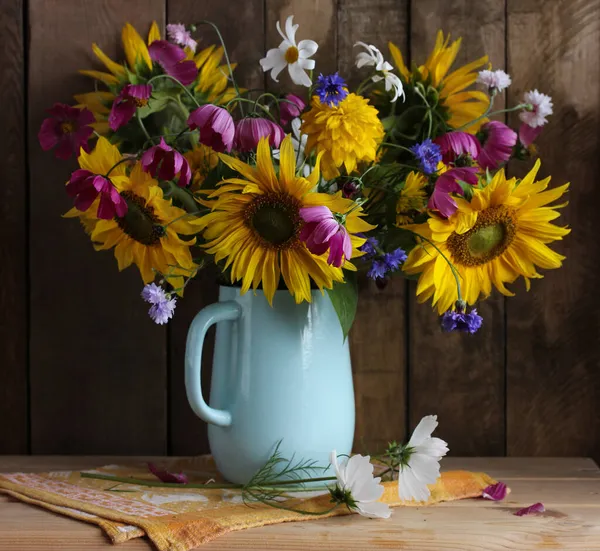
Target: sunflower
413, 198
148, 235
202, 159
138, 60
460, 106
346, 134
255, 225
501, 234
213, 77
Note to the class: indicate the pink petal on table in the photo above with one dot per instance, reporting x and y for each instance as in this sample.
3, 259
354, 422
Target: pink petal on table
166, 476
535, 508
495, 492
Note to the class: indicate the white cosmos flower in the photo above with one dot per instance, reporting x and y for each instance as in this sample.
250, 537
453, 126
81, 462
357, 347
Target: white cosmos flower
423, 466
494, 80
295, 56
542, 107
372, 57
357, 488
299, 144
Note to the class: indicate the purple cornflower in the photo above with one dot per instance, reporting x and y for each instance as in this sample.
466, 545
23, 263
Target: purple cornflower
429, 155
331, 89
461, 321
378, 269
384, 263
369, 247
163, 305
394, 259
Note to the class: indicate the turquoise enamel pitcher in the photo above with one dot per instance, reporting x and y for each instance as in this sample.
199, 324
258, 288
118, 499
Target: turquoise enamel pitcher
280, 373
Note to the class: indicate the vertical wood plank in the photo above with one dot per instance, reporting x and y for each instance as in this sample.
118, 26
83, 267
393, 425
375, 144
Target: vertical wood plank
13, 229
378, 338
553, 365
98, 377
242, 27
460, 377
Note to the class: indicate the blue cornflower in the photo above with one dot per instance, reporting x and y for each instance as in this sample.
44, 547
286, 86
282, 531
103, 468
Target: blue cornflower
331, 89
163, 305
394, 259
461, 321
378, 269
369, 247
429, 155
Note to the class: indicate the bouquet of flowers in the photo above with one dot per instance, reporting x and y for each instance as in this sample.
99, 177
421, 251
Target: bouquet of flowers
181, 168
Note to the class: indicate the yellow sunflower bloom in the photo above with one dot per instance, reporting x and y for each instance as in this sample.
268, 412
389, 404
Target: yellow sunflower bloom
255, 225
138, 59
501, 234
346, 134
462, 106
412, 198
213, 77
202, 159
148, 235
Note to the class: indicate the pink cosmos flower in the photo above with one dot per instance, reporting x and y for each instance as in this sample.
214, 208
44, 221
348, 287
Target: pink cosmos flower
322, 231
164, 162
178, 34
166, 476
289, 111
497, 144
528, 134
68, 129
216, 126
531, 510
85, 186
173, 60
126, 103
455, 144
249, 131
447, 183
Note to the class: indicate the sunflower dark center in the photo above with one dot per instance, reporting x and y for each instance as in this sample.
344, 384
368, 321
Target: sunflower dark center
276, 219
488, 238
140, 222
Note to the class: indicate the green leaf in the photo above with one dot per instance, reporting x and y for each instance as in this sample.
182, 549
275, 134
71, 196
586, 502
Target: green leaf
344, 297
467, 189
158, 101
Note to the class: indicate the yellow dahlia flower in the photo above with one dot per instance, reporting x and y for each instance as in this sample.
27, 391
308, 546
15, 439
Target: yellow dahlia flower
148, 235
346, 135
461, 106
255, 225
413, 198
501, 234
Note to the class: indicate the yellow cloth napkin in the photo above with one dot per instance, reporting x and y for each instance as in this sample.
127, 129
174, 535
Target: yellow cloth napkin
182, 518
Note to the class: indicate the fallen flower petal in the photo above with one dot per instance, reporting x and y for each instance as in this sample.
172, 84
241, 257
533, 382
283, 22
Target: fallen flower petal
495, 492
165, 476
532, 509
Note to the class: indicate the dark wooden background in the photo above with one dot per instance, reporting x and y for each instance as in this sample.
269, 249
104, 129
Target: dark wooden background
84, 370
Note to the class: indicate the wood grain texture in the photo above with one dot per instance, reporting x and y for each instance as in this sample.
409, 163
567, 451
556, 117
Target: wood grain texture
241, 24
13, 229
98, 378
459, 376
571, 520
553, 362
378, 336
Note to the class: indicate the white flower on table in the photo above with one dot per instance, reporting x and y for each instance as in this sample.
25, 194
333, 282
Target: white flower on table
357, 488
294, 56
372, 57
420, 464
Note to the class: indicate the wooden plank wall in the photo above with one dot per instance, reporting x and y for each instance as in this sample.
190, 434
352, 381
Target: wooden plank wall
83, 370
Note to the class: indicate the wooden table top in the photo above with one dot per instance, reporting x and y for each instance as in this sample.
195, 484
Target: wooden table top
568, 487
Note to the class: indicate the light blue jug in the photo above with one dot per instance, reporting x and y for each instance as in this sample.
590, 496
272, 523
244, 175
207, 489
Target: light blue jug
280, 373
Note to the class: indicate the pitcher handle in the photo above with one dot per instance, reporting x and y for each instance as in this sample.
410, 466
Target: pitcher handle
220, 311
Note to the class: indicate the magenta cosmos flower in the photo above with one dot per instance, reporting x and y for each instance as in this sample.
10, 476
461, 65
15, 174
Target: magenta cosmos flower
321, 231
447, 183
216, 126
497, 142
126, 103
455, 144
173, 61
85, 186
68, 129
164, 162
249, 131
290, 108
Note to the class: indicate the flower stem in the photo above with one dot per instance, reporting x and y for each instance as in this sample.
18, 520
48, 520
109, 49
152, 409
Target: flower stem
173, 79
141, 124
183, 197
246, 100
363, 84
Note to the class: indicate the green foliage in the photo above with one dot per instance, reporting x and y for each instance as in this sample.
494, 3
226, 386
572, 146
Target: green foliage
344, 297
